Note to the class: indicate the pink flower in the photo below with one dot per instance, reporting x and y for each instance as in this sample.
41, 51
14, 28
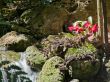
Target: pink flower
94, 28
71, 28
87, 24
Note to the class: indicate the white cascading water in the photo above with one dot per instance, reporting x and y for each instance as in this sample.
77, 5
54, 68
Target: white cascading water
22, 63
4, 75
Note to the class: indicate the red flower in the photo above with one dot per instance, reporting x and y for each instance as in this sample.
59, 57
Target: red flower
94, 28
71, 28
81, 29
78, 29
87, 24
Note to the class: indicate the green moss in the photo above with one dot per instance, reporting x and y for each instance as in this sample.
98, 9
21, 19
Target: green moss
50, 71
68, 35
85, 49
84, 69
35, 58
86, 63
9, 56
56, 44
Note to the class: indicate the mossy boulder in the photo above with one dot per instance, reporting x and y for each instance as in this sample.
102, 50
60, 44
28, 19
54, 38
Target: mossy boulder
83, 61
15, 41
50, 71
10, 56
35, 57
58, 44
8, 59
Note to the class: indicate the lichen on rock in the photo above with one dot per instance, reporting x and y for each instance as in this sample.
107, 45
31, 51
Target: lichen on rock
81, 51
10, 56
50, 71
83, 62
35, 58
58, 44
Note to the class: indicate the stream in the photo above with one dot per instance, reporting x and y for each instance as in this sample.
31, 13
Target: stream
26, 68
22, 63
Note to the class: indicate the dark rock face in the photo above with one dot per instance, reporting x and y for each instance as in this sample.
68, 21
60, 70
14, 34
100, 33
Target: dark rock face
49, 21
40, 20
85, 9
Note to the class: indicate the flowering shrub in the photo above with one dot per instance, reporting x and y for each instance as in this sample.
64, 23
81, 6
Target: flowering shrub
86, 28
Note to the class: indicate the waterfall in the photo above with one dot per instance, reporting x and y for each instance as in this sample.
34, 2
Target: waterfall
22, 63
4, 75
3, 48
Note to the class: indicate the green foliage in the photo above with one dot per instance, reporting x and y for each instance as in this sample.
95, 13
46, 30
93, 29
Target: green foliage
8, 1
4, 25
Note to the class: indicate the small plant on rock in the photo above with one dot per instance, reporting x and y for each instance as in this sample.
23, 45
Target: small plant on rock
85, 28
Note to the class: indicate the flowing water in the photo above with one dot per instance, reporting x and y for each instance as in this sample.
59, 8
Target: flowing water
22, 63
4, 75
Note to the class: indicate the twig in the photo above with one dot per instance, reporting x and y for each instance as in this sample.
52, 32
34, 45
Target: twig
105, 26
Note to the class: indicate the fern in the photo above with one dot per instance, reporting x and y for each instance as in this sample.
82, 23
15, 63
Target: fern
5, 26
3, 22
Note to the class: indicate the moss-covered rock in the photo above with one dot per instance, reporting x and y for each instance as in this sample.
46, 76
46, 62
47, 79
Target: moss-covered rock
10, 56
35, 58
58, 44
82, 51
15, 41
83, 61
50, 71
